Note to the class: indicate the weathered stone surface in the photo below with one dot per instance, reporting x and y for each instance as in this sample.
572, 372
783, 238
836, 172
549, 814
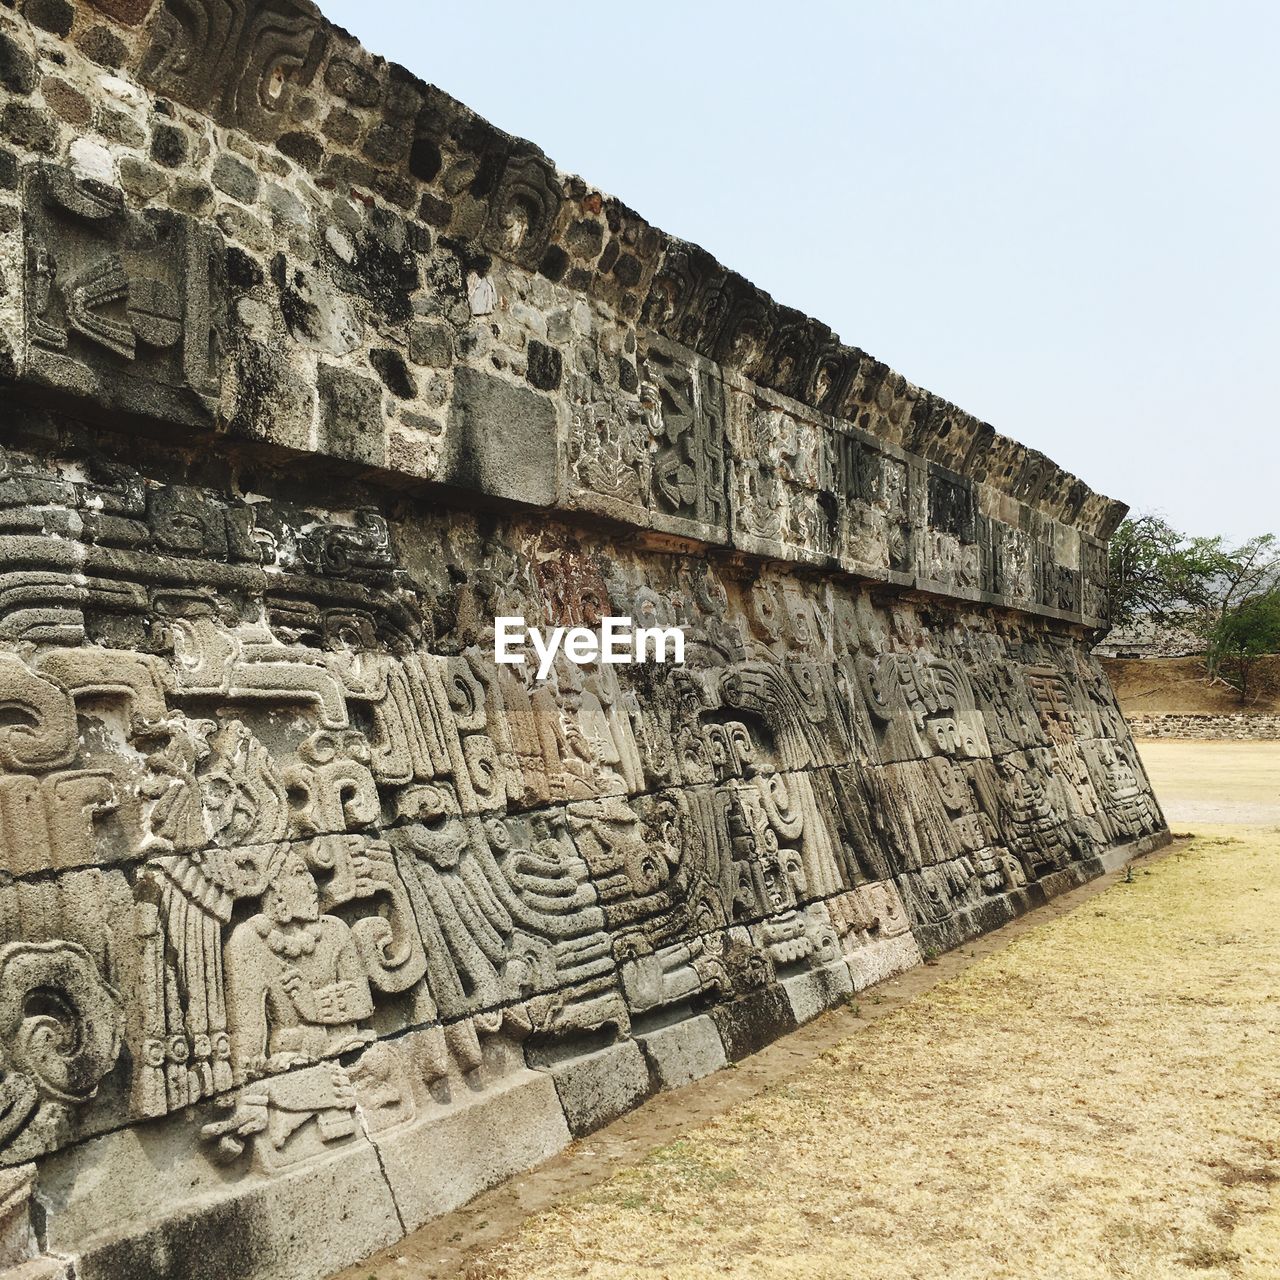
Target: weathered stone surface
249, 62
747, 1024
875, 933
66, 102
683, 1051
123, 308
18, 1240
185, 1218
818, 990
55, 16
350, 415
232, 176
17, 67
596, 1087
453, 1152
500, 440
431, 343
314, 920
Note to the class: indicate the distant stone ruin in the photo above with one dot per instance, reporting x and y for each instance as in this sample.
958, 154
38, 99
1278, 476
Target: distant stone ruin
314, 919
1147, 639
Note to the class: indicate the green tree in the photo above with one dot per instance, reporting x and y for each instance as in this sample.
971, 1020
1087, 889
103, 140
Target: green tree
1249, 570
1227, 594
1158, 574
1243, 633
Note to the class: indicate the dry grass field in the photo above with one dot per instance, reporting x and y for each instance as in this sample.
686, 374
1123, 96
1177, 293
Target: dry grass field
1099, 1099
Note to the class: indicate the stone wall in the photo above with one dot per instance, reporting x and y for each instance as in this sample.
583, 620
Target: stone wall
1245, 726
314, 921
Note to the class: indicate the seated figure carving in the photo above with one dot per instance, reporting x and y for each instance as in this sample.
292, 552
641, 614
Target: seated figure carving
296, 990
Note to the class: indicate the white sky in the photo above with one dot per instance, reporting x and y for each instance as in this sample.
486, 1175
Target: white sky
1063, 217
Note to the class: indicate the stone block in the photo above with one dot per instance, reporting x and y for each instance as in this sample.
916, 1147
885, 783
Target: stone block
500, 440
18, 1241
683, 1051
690, 464
148, 1202
875, 933
431, 343
160, 354
877, 961
749, 1023
817, 990
351, 423
598, 1087
451, 1153
17, 67
54, 16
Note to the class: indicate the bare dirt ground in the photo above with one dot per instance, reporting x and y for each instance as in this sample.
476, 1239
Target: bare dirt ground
1178, 686
1215, 782
1090, 1092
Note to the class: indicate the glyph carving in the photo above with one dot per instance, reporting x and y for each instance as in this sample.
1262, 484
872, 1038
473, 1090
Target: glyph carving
60, 1033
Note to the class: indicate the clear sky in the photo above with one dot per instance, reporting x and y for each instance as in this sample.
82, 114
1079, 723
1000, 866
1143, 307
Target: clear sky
1063, 217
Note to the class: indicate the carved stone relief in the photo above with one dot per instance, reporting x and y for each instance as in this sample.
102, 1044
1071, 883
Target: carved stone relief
243, 60
310, 375
128, 305
686, 414
340, 821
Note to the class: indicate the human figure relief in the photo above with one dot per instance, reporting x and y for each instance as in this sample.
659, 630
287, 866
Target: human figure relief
296, 990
